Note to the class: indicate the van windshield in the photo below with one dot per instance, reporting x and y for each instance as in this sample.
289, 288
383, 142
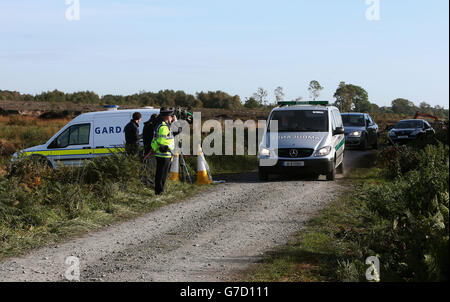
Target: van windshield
353, 120
301, 120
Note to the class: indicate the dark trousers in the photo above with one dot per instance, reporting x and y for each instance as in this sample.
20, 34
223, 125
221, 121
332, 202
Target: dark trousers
162, 172
132, 149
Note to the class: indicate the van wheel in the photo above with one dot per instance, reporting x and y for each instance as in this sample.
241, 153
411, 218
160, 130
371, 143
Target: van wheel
331, 176
340, 169
263, 175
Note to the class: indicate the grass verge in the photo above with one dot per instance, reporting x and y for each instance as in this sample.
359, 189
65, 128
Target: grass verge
39, 207
321, 251
397, 211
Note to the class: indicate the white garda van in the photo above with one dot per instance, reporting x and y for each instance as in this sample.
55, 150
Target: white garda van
309, 140
87, 136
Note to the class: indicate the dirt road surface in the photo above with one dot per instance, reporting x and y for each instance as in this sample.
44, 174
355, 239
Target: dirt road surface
209, 237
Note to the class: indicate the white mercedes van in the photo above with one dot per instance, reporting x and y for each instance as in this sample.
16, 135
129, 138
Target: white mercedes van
87, 136
307, 138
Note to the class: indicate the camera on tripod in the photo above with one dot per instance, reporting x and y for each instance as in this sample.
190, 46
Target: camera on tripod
184, 114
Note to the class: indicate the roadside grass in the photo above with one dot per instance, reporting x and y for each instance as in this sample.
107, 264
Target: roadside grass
39, 207
319, 251
234, 164
328, 249
50, 211
49, 216
396, 210
36, 212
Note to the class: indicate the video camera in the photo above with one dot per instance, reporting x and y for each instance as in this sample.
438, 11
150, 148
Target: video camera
184, 114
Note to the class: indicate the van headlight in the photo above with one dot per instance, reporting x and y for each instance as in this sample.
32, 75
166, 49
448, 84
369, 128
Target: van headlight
323, 151
355, 134
264, 152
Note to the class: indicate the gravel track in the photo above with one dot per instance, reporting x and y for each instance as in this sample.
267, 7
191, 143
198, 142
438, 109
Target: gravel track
209, 237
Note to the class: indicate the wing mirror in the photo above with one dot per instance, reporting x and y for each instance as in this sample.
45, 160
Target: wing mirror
338, 131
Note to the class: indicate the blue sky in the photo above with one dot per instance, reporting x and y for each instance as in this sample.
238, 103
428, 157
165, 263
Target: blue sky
123, 47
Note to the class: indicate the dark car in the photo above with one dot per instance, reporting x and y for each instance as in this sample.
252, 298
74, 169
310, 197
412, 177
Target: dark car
360, 130
409, 130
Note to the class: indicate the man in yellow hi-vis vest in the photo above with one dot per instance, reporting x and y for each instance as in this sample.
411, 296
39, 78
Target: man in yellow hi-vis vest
163, 144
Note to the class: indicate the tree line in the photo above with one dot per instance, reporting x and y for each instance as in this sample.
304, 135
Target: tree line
348, 98
352, 98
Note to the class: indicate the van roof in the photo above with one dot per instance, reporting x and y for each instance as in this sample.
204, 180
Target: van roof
91, 115
353, 113
303, 107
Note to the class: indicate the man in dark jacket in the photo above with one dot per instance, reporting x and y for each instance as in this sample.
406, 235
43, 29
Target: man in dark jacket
132, 135
147, 134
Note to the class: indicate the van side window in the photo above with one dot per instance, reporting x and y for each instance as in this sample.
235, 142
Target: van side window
338, 117
74, 135
79, 134
333, 120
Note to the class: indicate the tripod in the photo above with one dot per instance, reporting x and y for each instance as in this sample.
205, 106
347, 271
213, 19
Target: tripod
149, 166
183, 164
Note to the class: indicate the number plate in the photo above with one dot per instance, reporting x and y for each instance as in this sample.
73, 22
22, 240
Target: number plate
403, 136
294, 164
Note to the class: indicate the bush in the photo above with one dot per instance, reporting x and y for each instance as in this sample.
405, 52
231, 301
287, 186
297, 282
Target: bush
6, 148
442, 136
33, 191
116, 168
397, 160
412, 229
30, 170
17, 205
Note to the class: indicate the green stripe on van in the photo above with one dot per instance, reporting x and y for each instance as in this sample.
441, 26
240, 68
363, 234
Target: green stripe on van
340, 144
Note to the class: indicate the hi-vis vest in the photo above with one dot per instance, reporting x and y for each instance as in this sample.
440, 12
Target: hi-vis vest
163, 137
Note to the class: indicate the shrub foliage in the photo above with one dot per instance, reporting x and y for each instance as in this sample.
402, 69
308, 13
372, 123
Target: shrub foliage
410, 213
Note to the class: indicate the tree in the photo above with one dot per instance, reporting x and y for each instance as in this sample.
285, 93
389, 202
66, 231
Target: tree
113, 99
235, 102
374, 108
219, 99
343, 97
440, 112
360, 100
279, 94
251, 103
351, 97
403, 106
51, 96
385, 109
425, 107
314, 89
261, 96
